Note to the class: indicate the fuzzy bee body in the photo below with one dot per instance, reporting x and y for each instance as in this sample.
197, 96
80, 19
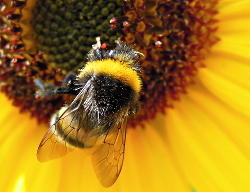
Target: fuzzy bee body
107, 92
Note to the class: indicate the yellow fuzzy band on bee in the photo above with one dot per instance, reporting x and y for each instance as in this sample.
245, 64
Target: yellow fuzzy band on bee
119, 70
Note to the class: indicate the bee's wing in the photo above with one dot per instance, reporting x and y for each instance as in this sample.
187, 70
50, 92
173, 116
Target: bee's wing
52, 146
108, 151
67, 132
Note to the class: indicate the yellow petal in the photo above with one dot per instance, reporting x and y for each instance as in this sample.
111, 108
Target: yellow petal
228, 92
212, 151
149, 163
230, 67
231, 9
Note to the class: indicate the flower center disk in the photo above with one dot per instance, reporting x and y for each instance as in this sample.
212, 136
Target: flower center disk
65, 29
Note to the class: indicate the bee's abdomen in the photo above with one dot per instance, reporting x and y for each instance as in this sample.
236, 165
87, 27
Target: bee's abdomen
111, 94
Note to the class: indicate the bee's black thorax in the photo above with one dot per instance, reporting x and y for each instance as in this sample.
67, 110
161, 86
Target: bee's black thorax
109, 94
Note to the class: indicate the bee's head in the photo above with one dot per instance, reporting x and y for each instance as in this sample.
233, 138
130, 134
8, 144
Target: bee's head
121, 51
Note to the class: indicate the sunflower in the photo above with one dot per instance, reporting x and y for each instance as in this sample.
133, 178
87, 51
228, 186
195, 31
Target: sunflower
191, 133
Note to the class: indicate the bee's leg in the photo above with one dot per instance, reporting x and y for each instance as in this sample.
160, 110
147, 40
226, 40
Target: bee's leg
47, 90
69, 80
69, 85
135, 108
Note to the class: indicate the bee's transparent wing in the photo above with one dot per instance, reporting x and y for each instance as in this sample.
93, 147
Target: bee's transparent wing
67, 132
108, 151
52, 146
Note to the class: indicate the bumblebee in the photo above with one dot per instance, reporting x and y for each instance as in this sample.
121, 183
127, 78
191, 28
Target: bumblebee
106, 94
